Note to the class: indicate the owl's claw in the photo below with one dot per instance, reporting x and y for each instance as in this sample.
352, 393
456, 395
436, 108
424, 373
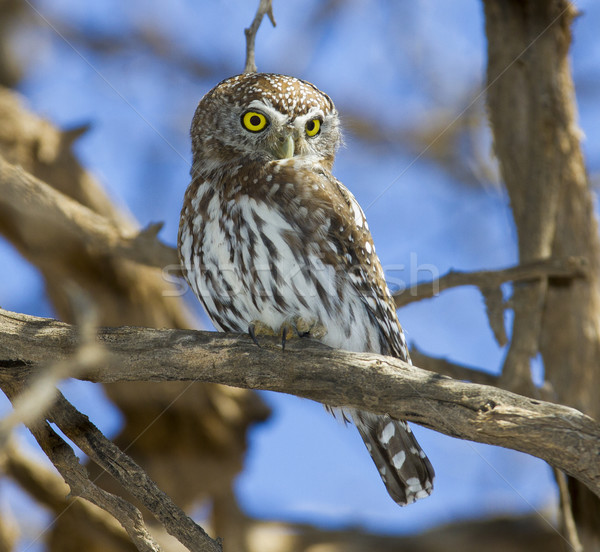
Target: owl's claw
257, 327
252, 334
284, 333
309, 328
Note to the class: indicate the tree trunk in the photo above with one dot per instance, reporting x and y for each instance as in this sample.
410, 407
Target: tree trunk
532, 110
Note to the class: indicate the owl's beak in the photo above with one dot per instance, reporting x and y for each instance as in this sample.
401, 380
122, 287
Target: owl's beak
285, 148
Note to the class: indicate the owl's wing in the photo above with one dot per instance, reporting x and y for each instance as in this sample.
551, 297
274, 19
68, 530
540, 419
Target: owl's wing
330, 221
332, 225
404, 468
366, 273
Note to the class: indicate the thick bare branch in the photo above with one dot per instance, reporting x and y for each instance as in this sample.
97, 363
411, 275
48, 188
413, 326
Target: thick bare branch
574, 267
24, 197
563, 436
265, 7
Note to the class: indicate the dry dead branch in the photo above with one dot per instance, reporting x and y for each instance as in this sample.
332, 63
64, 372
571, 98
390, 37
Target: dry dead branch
563, 436
565, 269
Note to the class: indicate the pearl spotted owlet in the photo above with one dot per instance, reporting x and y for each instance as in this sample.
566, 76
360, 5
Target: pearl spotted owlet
271, 240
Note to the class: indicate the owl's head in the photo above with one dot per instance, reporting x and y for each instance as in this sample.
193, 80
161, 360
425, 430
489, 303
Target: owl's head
263, 117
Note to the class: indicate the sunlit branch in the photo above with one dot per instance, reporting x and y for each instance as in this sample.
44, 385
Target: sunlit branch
563, 436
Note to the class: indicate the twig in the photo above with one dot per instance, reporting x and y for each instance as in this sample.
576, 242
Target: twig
563, 436
494, 307
574, 267
265, 7
451, 369
528, 305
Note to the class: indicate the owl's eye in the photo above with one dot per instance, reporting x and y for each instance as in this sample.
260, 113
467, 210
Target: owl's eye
313, 127
254, 121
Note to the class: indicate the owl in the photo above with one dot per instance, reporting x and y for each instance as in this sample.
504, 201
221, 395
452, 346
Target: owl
272, 243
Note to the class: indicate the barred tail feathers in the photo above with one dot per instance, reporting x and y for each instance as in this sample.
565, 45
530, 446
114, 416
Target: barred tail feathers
404, 468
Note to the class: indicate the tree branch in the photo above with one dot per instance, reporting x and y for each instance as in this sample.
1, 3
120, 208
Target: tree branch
110, 458
265, 7
31, 405
451, 369
134, 479
574, 267
75, 475
563, 436
49, 489
24, 197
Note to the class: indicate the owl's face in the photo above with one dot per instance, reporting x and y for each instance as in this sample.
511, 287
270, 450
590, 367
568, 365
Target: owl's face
263, 117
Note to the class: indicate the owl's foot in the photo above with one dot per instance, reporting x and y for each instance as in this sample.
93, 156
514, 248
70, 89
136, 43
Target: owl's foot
301, 327
290, 329
308, 327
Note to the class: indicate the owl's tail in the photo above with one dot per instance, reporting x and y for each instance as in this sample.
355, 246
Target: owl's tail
403, 466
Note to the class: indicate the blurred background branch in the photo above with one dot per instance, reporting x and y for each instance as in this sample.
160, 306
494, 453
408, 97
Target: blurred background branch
265, 7
541, 161
484, 279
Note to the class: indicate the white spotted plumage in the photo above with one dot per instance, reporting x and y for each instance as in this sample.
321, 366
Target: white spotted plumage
268, 237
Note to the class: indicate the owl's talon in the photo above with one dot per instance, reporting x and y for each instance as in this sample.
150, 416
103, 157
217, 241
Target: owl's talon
318, 331
295, 327
287, 331
258, 328
284, 333
252, 334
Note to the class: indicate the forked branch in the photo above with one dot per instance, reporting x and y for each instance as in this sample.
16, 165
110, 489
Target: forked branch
574, 267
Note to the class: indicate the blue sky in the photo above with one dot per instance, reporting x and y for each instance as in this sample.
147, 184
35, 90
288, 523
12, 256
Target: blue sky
398, 64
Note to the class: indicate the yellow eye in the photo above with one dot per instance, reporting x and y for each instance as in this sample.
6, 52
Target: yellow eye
254, 121
313, 127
